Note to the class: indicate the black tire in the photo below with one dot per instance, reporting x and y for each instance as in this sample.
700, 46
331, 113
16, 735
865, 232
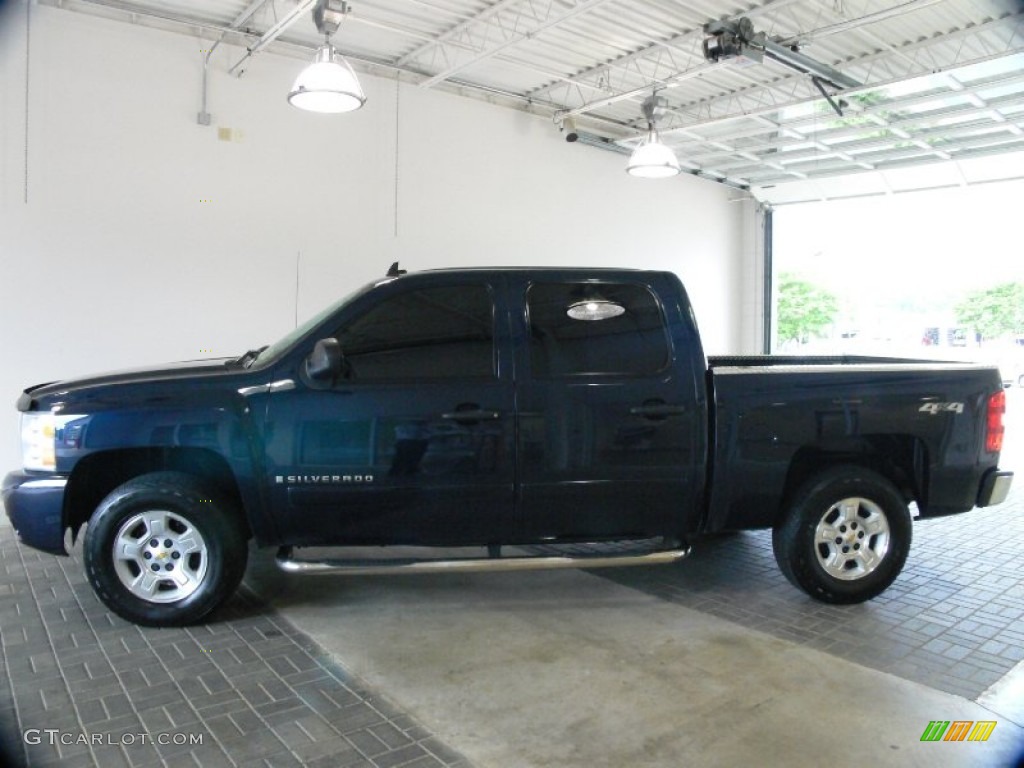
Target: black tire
197, 562
862, 554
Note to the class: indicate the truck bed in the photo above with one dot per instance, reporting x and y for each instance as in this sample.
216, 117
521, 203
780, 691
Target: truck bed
776, 418
768, 361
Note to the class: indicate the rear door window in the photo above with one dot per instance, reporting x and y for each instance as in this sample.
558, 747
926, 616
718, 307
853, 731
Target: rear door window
595, 328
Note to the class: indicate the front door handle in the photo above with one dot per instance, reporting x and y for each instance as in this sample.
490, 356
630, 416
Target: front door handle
657, 410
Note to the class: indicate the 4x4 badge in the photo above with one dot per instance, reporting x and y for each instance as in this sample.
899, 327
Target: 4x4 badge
936, 408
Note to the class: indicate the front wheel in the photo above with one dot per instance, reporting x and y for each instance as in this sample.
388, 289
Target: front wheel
845, 535
164, 550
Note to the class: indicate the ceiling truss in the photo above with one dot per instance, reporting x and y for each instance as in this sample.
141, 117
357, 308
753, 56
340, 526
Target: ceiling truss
942, 79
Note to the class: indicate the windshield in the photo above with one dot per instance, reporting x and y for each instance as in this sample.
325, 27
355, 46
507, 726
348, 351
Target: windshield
282, 345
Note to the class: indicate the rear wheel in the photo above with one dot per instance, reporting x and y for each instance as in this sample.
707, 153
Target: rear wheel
164, 550
845, 535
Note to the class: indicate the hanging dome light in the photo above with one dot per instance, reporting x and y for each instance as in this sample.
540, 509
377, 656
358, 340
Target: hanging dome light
652, 159
327, 85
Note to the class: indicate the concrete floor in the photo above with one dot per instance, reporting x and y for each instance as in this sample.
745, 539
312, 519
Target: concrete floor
571, 669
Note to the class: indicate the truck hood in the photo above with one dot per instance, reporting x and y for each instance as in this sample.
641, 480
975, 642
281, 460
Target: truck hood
151, 374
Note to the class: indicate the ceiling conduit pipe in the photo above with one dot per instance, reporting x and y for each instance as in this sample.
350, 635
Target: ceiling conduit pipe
203, 118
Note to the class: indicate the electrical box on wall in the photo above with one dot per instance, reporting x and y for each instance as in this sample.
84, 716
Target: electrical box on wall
230, 134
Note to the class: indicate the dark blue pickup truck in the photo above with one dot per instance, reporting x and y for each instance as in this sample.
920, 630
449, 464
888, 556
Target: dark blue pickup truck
498, 409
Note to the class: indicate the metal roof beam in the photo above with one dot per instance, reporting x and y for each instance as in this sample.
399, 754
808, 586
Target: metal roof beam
246, 14
865, 151
481, 18
273, 33
855, 21
487, 34
681, 44
778, 152
693, 36
896, 164
815, 121
884, 151
798, 90
118, 11
422, 37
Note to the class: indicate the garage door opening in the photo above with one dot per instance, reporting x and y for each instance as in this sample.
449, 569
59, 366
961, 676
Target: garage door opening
935, 275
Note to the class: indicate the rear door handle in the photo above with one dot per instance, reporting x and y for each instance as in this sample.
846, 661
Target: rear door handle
471, 414
657, 410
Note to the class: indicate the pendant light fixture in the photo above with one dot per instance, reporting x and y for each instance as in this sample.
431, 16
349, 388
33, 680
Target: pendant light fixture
652, 159
328, 84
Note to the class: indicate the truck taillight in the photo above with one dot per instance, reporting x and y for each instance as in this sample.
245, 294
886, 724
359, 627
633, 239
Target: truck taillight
994, 422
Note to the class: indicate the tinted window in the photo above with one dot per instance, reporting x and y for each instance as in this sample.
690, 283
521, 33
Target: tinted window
430, 333
595, 328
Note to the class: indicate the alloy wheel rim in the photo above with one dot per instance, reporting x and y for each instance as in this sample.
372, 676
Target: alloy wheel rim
852, 538
159, 556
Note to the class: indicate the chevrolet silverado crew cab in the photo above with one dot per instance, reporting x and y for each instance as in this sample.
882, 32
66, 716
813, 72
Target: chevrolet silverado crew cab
509, 410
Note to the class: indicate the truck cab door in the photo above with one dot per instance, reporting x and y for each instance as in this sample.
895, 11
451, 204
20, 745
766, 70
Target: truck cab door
608, 433
413, 443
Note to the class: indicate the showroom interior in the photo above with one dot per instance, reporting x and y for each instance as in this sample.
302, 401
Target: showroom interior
166, 195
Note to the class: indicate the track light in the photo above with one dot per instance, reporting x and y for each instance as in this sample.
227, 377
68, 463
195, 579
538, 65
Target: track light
328, 84
652, 159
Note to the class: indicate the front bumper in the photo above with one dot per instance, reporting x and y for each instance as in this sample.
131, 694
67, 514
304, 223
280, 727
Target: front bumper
34, 504
995, 487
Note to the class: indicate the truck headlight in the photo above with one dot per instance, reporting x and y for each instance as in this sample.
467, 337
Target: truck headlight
38, 439
37, 449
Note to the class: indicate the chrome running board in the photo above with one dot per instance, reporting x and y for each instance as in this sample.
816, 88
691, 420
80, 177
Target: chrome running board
358, 567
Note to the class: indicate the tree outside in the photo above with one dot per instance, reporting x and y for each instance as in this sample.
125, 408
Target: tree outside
994, 312
804, 310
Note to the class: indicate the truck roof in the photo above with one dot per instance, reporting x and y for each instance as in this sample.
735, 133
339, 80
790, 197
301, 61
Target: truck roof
552, 270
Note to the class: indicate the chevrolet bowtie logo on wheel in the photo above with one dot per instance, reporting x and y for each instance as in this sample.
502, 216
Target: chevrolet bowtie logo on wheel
958, 730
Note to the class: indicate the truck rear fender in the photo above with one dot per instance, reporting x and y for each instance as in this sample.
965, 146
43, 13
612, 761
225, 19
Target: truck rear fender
97, 474
902, 459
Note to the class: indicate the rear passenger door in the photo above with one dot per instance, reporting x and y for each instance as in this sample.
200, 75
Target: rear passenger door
606, 432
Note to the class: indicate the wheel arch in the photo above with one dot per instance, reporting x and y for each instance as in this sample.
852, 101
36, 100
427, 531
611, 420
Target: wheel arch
900, 459
97, 474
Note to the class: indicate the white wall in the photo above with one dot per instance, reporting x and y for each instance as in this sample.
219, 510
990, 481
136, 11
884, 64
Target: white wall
752, 275
117, 258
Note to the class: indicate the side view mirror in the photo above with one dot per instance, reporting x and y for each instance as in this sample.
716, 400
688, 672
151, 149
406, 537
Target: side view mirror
325, 362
